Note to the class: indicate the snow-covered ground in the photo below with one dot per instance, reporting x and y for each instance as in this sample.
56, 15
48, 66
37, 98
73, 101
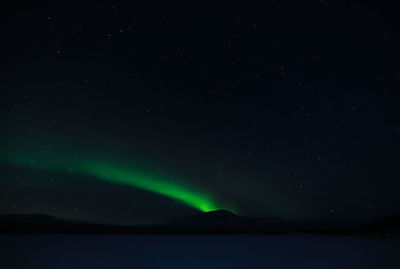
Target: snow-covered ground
180, 251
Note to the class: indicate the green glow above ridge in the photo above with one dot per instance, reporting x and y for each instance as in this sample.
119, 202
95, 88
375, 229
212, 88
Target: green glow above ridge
131, 178
107, 171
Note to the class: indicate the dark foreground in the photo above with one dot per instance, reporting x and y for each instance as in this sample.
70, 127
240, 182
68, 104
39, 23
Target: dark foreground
197, 251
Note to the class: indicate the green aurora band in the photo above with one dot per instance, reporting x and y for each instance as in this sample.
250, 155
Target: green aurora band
118, 174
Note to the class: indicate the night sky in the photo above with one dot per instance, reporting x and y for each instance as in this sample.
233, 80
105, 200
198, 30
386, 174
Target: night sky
146, 111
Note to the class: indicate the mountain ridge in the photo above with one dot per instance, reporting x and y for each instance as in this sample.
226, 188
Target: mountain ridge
213, 222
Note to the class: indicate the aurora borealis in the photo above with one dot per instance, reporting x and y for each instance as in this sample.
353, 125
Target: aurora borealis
145, 112
199, 134
117, 175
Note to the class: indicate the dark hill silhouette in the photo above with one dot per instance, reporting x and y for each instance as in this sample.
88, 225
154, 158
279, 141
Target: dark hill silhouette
216, 218
29, 219
41, 223
214, 222
223, 221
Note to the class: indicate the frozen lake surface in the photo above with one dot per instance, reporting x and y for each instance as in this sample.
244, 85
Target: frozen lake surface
198, 251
